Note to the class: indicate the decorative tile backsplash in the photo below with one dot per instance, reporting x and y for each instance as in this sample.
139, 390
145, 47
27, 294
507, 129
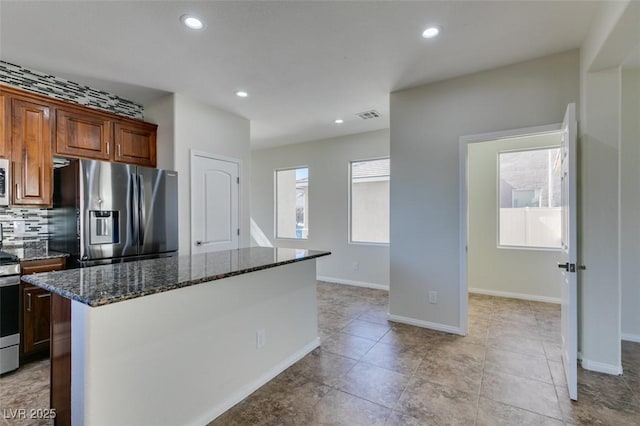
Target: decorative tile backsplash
60, 88
35, 221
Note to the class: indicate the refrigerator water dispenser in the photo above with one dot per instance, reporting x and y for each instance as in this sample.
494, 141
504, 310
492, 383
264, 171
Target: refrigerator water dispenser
104, 227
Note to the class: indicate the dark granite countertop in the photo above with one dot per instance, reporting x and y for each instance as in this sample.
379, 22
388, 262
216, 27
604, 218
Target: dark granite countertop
105, 284
32, 250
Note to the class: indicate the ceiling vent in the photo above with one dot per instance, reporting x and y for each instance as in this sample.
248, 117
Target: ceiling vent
369, 114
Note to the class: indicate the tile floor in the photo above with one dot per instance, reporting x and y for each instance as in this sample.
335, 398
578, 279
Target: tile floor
369, 371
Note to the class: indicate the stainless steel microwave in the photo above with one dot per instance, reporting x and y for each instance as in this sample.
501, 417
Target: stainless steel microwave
5, 182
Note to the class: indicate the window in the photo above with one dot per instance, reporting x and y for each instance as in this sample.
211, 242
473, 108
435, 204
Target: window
292, 203
370, 201
530, 212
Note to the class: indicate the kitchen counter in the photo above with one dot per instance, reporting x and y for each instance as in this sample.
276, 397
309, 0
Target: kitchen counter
32, 250
105, 284
232, 321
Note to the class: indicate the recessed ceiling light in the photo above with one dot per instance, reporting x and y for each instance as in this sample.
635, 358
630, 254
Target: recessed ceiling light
431, 32
241, 94
191, 22
339, 121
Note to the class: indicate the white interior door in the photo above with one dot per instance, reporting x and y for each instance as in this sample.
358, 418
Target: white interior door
214, 204
568, 257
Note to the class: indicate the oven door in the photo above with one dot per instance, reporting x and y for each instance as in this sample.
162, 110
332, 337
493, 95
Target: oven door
9, 328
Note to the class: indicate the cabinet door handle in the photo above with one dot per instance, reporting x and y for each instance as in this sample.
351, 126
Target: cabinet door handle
28, 302
108, 148
17, 191
119, 151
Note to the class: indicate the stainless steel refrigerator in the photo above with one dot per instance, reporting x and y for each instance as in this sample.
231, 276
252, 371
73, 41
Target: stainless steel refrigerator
111, 211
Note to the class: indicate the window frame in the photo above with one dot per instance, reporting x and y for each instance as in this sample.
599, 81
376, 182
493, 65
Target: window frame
275, 201
517, 247
350, 203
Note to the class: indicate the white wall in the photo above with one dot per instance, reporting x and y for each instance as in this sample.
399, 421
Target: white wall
426, 123
612, 35
522, 273
186, 124
328, 162
630, 203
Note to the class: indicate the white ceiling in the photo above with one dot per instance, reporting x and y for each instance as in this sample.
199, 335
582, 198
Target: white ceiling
304, 63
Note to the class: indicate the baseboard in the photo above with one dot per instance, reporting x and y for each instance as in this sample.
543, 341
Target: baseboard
352, 282
247, 390
425, 324
631, 337
511, 295
601, 367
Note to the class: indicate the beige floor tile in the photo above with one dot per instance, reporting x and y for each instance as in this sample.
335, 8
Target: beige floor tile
322, 366
517, 344
441, 404
379, 315
374, 384
492, 413
557, 373
455, 348
459, 375
366, 329
400, 419
528, 394
398, 359
347, 345
340, 408
591, 410
552, 350
286, 400
607, 387
332, 321
518, 365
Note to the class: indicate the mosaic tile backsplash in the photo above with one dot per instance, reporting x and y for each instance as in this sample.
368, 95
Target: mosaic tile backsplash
60, 88
35, 221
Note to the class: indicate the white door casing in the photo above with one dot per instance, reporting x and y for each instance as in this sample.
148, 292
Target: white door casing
568, 255
214, 203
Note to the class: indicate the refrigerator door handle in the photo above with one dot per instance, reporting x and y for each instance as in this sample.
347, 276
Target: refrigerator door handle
143, 213
135, 234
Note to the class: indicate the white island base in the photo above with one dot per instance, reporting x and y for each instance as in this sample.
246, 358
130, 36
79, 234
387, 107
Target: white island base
185, 356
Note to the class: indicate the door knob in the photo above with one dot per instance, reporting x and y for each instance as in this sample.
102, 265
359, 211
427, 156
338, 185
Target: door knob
198, 243
569, 267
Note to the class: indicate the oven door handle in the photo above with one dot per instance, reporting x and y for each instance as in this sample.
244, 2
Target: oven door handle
9, 281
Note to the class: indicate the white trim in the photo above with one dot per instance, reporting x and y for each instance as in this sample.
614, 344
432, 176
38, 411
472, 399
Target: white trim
253, 386
601, 367
352, 282
512, 295
631, 337
511, 133
426, 324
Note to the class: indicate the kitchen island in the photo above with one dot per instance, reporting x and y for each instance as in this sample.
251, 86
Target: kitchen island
177, 340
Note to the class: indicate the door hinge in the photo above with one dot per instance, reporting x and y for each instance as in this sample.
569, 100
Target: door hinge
238, 231
238, 180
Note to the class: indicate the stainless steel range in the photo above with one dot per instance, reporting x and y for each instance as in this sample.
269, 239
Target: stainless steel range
9, 312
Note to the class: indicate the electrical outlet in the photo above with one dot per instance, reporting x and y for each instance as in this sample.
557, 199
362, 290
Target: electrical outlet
355, 266
433, 297
261, 338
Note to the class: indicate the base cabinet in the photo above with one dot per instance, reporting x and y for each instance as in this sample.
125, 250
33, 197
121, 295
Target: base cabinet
35, 327
37, 323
